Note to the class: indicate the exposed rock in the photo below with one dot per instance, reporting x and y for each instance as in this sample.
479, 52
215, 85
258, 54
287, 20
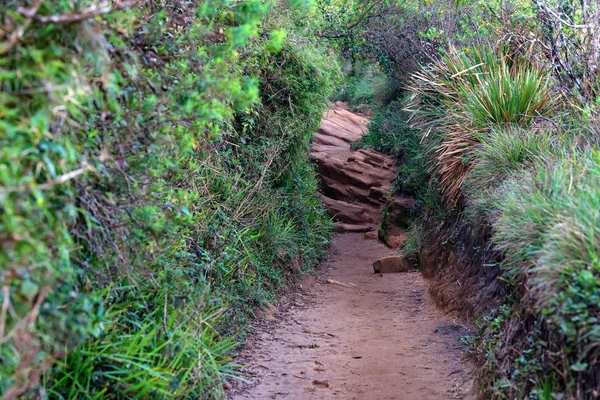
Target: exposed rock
371, 235
342, 172
372, 158
330, 141
395, 240
396, 218
323, 153
334, 189
337, 128
377, 193
392, 264
398, 211
340, 227
346, 212
353, 183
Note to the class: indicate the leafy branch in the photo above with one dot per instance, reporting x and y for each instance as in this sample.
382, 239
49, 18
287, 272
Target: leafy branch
31, 14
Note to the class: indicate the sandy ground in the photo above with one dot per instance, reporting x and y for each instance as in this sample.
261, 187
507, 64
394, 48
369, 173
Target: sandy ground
371, 337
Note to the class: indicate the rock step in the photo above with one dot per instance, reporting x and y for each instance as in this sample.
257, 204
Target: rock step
340, 130
336, 190
391, 264
374, 172
331, 141
360, 175
372, 158
347, 212
340, 110
341, 227
354, 184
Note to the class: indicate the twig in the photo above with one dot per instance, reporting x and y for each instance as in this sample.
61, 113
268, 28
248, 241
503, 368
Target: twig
29, 318
18, 33
48, 185
5, 302
347, 285
92, 11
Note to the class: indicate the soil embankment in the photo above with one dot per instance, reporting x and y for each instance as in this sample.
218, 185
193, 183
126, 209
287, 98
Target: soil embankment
354, 334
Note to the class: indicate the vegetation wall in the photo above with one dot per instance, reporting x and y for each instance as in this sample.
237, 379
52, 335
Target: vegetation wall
154, 187
496, 133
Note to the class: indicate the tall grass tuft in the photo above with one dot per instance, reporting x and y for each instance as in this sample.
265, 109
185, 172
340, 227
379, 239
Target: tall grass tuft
456, 101
148, 359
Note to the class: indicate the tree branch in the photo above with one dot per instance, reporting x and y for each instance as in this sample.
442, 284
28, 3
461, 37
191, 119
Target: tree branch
18, 33
348, 31
92, 11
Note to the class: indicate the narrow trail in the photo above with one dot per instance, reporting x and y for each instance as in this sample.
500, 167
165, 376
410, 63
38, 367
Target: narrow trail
352, 333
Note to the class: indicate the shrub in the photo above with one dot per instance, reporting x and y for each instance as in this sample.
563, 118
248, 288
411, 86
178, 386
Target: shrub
153, 190
390, 133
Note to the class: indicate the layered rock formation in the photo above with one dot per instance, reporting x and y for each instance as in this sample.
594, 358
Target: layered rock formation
354, 184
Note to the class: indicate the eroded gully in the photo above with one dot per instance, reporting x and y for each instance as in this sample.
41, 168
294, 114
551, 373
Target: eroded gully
351, 333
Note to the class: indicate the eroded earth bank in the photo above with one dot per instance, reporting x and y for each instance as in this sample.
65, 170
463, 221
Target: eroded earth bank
353, 333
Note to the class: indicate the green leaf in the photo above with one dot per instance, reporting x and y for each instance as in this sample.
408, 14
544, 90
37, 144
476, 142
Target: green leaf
579, 367
29, 289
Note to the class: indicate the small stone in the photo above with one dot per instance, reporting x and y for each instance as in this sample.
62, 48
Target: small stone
395, 241
372, 235
342, 227
391, 264
321, 384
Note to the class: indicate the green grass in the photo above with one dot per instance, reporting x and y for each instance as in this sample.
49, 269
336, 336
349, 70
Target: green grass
548, 231
455, 101
502, 153
505, 94
368, 86
389, 132
153, 358
413, 245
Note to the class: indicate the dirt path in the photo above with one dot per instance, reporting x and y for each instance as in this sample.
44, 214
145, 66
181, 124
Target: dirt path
355, 334
380, 339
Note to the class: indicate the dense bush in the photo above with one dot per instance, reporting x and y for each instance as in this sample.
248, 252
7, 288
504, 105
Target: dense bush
153, 188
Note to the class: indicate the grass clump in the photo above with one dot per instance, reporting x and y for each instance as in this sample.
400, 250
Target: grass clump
502, 153
455, 102
531, 189
549, 232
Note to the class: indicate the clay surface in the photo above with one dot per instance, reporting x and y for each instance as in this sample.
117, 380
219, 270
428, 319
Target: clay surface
362, 336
